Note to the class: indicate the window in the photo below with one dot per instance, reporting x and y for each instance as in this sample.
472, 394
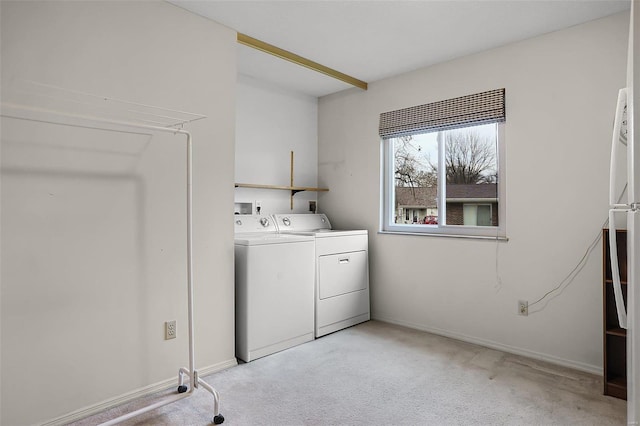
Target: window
476, 215
445, 179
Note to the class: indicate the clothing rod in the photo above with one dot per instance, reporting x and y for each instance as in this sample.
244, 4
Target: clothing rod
39, 120
92, 118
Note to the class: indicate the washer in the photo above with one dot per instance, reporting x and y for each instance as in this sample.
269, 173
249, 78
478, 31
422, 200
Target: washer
342, 271
274, 275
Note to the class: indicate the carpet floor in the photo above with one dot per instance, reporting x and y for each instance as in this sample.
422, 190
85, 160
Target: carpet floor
378, 373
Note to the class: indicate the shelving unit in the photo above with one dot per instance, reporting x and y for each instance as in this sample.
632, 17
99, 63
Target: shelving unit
294, 189
39, 102
615, 337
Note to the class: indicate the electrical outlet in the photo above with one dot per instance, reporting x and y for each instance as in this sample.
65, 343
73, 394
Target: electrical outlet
170, 331
523, 307
258, 206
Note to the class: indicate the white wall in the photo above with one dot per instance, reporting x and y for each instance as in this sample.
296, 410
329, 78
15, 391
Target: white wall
270, 123
93, 221
561, 90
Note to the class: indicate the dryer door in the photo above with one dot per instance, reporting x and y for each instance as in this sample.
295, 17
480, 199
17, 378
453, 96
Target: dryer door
342, 273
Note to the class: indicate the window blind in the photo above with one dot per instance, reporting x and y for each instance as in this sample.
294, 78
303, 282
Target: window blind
476, 109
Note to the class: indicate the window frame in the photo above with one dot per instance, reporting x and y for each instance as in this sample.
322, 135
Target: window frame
387, 225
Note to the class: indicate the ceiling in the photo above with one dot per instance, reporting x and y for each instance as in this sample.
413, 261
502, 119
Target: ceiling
372, 40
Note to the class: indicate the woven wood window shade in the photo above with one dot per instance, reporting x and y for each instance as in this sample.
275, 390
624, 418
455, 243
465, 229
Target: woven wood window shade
480, 108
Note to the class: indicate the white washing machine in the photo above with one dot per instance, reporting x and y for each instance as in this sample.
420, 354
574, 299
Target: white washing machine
342, 271
274, 277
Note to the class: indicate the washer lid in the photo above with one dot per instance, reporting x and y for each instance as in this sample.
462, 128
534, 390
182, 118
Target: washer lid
256, 239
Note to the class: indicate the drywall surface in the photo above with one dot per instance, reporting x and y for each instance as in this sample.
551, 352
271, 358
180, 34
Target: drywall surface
270, 123
94, 221
561, 91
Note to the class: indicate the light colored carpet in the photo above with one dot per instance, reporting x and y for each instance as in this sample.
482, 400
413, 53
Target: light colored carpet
377, 373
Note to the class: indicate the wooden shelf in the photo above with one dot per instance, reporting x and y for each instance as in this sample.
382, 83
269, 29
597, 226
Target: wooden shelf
615, 338
608, 281
617, 332
620, 382
294, 189
616, 387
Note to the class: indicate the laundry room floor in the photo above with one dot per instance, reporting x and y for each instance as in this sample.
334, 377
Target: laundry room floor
378, 373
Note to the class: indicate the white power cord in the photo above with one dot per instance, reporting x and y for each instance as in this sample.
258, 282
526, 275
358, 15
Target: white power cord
576, 270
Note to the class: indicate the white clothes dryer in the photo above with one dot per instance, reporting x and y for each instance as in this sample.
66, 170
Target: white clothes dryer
342, 270
274, 281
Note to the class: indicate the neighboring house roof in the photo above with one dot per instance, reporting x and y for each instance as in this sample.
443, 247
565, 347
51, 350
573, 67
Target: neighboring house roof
407, 196
426, 196
472, 191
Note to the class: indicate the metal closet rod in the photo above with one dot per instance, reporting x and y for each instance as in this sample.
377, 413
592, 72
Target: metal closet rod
191, 372
299, 60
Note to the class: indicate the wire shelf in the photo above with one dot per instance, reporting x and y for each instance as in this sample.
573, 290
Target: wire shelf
31, 99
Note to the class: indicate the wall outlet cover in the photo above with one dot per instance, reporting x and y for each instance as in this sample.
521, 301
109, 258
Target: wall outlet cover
523, 307
170, 331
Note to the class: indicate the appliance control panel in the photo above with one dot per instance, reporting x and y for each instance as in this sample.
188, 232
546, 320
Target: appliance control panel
253, 223
302, 222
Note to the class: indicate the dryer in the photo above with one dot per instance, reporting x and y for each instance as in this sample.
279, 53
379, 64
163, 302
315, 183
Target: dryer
274, 279
341, 271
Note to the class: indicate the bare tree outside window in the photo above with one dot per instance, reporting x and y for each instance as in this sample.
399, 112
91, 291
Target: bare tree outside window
412, 167
469, 158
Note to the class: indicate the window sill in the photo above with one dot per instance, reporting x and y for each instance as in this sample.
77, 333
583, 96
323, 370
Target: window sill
425, 234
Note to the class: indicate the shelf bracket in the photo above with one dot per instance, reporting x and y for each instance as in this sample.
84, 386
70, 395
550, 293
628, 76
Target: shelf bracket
293, 191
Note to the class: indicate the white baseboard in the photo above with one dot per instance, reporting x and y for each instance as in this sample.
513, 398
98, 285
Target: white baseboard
129, 396
217, 367
588, 368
